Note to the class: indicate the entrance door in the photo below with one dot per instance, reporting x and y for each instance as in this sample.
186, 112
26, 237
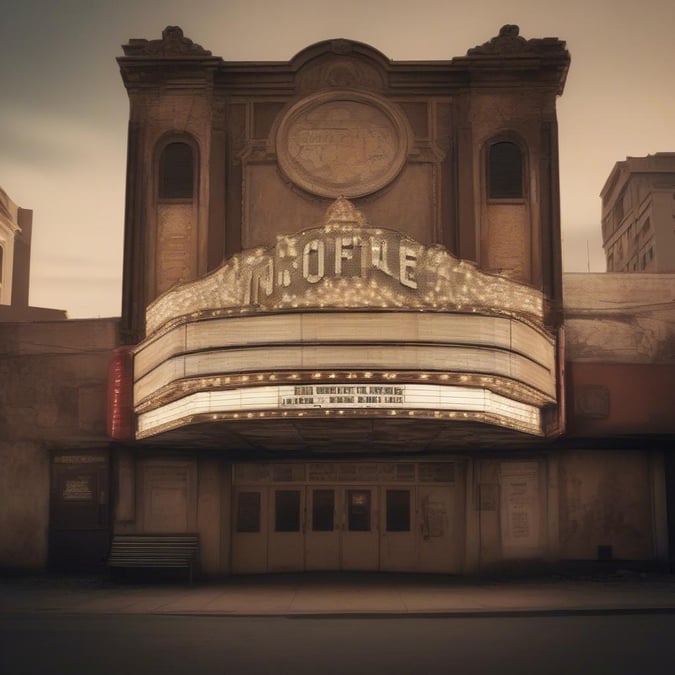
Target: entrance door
397, 541
286, 535
360, 531
323, 536
79, 528
342, 529
249, 539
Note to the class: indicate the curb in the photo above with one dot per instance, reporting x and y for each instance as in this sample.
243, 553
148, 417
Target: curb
350, 614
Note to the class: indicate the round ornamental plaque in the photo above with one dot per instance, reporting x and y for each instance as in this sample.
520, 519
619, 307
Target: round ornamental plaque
342, 144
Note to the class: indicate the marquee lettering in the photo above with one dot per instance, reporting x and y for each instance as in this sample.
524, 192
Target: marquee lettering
334, 257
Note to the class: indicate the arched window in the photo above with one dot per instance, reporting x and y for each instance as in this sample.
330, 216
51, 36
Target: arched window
176, 172
504, 171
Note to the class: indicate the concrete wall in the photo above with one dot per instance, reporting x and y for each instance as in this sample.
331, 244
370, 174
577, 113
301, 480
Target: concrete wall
173, 494
620, 318
620, 349
24, 505
53, 396
606, 500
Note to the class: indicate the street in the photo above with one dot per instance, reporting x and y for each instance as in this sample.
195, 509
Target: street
62, 644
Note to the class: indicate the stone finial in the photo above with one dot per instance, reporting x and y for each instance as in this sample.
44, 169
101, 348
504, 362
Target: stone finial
509, 42
172, 44
342, 212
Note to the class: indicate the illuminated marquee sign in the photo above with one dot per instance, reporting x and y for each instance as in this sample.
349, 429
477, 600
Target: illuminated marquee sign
345, 264
299, 400
259, 315
324, 257
345, 396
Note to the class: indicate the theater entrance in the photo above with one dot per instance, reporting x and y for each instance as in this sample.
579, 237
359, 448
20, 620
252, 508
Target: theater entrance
342, 529
391, 526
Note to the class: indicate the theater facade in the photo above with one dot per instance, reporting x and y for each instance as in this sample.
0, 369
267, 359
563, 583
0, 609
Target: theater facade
342, 305
342, 343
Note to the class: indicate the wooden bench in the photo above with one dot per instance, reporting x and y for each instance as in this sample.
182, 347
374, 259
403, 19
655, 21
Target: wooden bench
154, 550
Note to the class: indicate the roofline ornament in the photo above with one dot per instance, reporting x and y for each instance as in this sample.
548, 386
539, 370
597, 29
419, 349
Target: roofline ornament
509, 42
173, 44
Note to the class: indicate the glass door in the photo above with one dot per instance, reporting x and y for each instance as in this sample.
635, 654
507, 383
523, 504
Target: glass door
360, 534
286, 535
397, 541
249, 537
322, 538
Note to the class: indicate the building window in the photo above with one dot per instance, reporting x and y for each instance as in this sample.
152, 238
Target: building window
398, 510
176, 172
358, 510
248, 512
323, 508
505, 171
287, 511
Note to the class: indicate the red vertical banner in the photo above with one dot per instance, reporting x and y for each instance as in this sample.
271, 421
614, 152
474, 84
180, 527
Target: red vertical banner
120, 395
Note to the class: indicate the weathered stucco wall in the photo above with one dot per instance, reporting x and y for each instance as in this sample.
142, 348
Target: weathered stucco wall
605, 500
24, 505
620, 318
53, 396
54, 377
620, 349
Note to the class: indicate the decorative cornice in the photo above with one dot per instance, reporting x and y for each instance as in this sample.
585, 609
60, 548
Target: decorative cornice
173, 44
510, 43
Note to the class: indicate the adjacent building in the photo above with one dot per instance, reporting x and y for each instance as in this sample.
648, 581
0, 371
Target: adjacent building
16, 228
638, 214
346, 342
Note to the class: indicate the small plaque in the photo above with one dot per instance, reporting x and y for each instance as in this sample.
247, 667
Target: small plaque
488, 496
592, 401
342, 144
78, 489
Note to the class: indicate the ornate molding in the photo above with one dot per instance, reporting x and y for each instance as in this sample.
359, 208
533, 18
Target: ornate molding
172, 44
340, 70
509, 42
346, 142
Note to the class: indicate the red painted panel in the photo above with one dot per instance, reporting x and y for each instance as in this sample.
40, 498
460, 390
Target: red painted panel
120, 395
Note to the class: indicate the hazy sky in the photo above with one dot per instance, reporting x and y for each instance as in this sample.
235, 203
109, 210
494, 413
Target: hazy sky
64, 110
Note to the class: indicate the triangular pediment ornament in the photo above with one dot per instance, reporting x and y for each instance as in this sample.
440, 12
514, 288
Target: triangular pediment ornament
345, 263
342, 213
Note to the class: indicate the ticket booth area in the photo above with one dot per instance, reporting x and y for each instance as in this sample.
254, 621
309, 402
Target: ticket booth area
404, 517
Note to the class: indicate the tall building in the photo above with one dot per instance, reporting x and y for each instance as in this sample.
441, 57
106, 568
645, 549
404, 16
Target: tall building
638, 214
16, 229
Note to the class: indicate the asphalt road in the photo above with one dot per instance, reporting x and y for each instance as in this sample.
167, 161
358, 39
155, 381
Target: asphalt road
58, 644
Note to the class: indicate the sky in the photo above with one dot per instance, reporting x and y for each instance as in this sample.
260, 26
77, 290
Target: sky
64, 109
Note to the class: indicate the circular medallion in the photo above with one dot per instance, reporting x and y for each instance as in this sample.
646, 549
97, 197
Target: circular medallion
342, 143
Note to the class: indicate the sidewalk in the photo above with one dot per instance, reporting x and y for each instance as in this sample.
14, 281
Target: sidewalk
332, 594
